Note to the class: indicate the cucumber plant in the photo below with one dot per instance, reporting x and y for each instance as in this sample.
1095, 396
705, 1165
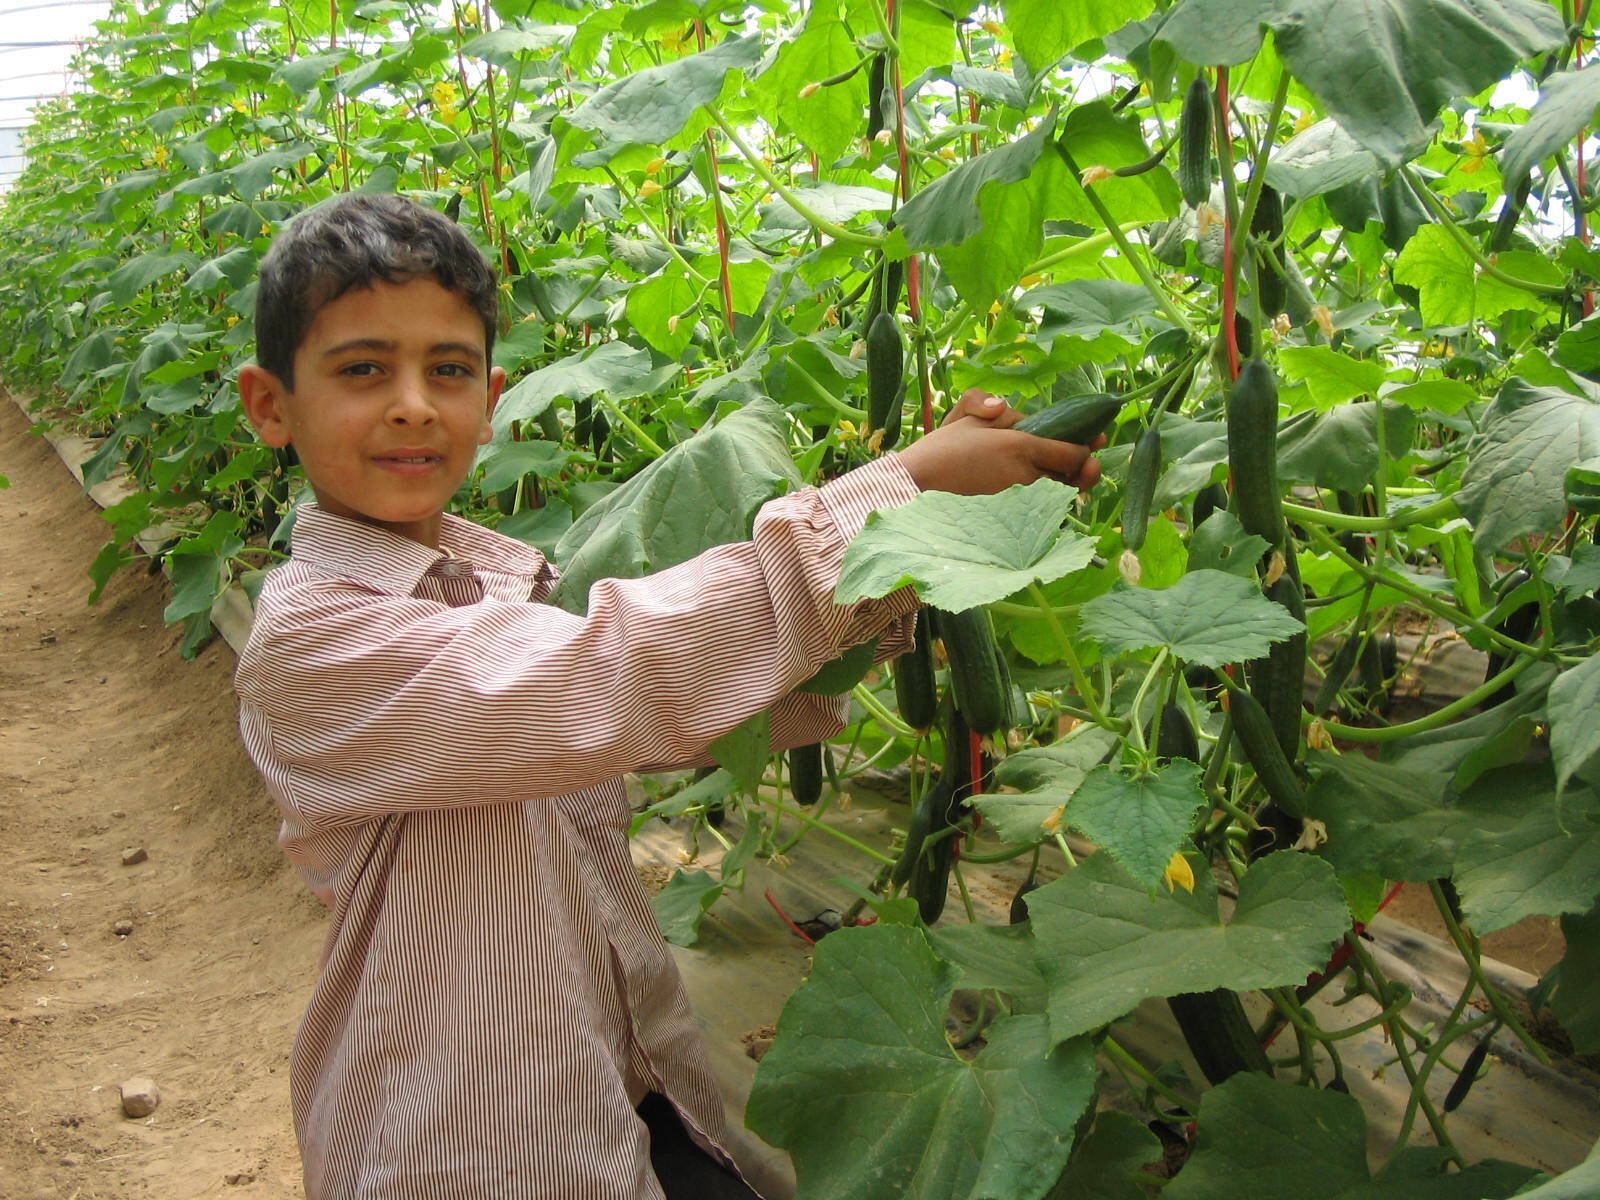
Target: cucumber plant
1325, 280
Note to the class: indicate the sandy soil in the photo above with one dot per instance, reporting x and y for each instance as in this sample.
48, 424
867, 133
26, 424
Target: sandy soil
109, 741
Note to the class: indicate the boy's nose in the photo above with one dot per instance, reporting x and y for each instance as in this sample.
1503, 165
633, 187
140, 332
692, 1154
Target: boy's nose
410, 402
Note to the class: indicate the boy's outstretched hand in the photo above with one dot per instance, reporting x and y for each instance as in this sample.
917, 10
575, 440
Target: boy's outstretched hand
975, 451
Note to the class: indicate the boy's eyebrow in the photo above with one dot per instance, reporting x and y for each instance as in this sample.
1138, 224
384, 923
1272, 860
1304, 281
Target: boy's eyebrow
463, 348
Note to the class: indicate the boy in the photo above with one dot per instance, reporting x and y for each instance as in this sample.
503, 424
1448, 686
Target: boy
496, 1014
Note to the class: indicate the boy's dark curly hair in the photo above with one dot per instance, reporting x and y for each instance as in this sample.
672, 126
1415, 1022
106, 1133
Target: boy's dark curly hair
354, 241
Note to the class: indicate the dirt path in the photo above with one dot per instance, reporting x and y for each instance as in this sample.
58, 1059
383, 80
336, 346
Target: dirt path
107, 741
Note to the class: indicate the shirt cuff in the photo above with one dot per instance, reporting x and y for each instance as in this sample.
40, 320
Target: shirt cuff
851, 498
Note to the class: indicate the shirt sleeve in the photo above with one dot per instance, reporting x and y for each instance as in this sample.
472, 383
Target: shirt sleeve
374, 704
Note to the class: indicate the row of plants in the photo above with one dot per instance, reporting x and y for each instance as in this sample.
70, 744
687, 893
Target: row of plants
1322, 274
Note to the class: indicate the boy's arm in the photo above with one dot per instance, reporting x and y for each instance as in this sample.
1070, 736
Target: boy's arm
359, 705
376, 704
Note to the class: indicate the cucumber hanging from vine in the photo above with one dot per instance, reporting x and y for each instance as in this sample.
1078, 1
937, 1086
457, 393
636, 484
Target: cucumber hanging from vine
981, 695
886, 365
915, 692
1194, 144
1143, 468
1252, 419
805, 773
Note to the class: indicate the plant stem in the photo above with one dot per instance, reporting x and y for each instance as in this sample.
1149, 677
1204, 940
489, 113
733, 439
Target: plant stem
1441, 509
1443, 215
1423, 600
1131, 1065
1443, 716
1136, 261
822, 393
753, 160
807, 819
1085, 689
886, 720
1467, 945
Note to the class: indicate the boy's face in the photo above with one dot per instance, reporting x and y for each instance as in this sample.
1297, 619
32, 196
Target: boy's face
392, 398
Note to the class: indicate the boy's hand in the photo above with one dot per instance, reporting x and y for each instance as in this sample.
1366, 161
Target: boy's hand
975, 451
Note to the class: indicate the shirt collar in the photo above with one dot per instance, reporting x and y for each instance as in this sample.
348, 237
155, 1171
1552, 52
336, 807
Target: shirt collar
393, 563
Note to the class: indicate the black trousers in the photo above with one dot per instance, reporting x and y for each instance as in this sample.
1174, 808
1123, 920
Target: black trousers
686, 1172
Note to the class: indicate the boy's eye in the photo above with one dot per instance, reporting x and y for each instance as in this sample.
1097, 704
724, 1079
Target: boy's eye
455, 370
359, 368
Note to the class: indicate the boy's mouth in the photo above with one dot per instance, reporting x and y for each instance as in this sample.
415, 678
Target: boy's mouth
409, 461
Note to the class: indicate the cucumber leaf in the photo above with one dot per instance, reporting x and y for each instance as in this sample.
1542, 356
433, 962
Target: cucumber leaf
963, 551
1207, 617
1271, 1140
1383, 68
863, 1089
1104, 944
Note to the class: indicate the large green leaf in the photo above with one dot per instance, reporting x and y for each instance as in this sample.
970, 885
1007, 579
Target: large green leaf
611, 367
1566, 104
1207, 617
1576, 1000
1396, 820
1087, 308
1517, 464
1096, 135
1268, 1140
962, 551
992, 207
993, 956
502, 46
652, 106
1331, 376
1110, 1163
1542, 859
1045, 778
1580, 1183
1044, 30
1574, 709
864, 1091
680, 905
828, 120
1454, 291
1339, 448
1382, 68
128, 280
1104, 944
1318, 159
703, 492
1141, 820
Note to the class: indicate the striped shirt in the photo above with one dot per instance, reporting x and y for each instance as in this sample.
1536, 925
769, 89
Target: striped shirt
494, 996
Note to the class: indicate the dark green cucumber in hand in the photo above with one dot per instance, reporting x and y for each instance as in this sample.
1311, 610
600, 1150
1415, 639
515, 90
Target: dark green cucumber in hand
1080, 419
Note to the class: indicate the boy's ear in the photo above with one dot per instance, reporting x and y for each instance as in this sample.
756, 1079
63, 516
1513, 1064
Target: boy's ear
497, 381
261, 394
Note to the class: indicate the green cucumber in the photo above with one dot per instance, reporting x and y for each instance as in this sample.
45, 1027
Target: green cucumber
982, 696
1266, 227
929, 884
915, 693
1252, 419
1080, 419
1143, 468
1469, 1075
1019, 903
1207, 501
886, 365
877, 101
1219, 1034
1259, 740
1177, 738
1194, 144
805, 774
1278, 679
